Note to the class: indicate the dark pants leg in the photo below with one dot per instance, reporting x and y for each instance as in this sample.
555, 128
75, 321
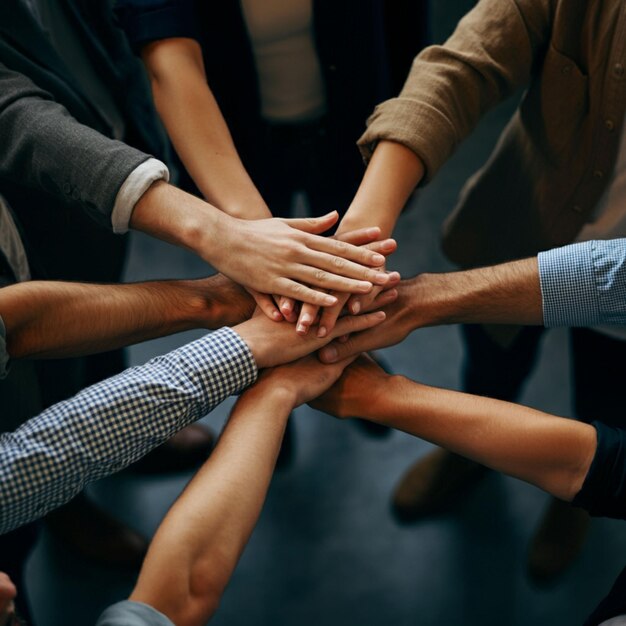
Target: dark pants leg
497, 371
598, 391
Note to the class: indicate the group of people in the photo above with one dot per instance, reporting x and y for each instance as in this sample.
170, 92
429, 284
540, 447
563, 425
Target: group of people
262, 99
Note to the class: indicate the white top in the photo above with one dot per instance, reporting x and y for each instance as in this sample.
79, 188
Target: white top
609, 219
287, 64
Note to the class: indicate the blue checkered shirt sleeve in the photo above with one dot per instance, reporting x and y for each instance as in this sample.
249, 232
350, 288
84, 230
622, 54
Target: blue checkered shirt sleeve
584, 284
106, 427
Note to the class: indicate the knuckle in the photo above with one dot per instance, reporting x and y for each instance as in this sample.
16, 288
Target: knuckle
338, 262
321, 276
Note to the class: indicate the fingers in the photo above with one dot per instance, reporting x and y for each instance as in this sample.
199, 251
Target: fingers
267, 305
357, 304
330, 315
314, 225
360, 237
344, 268
302, 293
335, 351
359, 254
308, 314
354, 324
288, 308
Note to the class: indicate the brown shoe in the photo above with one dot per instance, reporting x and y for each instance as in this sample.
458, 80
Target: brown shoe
557, 542
434, 484
93, 534
184, 452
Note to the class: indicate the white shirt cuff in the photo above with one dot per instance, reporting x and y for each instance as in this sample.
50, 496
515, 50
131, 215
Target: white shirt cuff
137, 183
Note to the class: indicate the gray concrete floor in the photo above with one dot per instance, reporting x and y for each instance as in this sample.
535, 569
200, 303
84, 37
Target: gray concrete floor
326, 550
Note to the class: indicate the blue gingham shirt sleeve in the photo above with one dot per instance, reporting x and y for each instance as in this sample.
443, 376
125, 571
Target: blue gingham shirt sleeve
4, 355
584, 284
110, 425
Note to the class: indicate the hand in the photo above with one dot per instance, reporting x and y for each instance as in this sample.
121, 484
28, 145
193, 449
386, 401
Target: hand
354, 394
401, 321
329, 316
274, 256
274, 343
279, 307
223, 302
304, 379
7, 595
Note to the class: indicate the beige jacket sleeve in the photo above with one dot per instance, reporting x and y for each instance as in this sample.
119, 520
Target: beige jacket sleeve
491, 54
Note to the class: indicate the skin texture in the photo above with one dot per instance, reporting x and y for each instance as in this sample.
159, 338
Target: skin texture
104, 317
198, 544
550, 452
275, 256
391, 177
503, 294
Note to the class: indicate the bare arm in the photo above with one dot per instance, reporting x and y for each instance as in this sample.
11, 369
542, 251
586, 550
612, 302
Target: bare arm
197, 128
56, 319
509, 293
196, 548
550, 452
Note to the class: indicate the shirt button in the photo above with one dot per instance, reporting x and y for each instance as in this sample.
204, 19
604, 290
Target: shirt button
599, 174
566, 69
609, 125
618, 70
577, 208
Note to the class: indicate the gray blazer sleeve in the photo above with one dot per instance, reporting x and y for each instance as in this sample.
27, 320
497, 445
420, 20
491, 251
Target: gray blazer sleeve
45, 148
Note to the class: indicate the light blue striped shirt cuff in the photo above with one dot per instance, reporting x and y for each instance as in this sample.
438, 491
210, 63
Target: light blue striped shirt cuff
584, 284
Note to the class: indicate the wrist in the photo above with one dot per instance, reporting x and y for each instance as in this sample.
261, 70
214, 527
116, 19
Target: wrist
280, 394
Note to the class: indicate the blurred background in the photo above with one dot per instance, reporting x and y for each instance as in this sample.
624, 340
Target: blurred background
327, 549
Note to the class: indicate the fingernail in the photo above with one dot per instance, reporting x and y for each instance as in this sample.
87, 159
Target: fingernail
356, 307
380, 315
378, 259
301, 329
330, 301
388, 245
382, 278
285, 307
277, 316
330, 354
372, 232
306, 319
321, 332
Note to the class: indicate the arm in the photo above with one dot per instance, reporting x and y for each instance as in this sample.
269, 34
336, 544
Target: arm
46, 319
106, 427
583, 284
550, 452
46, 148
197, 546
197, 128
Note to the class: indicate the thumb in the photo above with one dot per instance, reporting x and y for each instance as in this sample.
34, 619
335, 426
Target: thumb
314, 225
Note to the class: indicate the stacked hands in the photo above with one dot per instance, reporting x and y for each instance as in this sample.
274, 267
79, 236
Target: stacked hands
322, 290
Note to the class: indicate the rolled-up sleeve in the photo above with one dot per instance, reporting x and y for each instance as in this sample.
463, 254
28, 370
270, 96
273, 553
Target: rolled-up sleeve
604, 491
150, 20
584, 284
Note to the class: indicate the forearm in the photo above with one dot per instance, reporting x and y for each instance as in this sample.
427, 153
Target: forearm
112, 424
197, 128
179, 218
551, 452
55, 319
502, 294
391, 176
197, 546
